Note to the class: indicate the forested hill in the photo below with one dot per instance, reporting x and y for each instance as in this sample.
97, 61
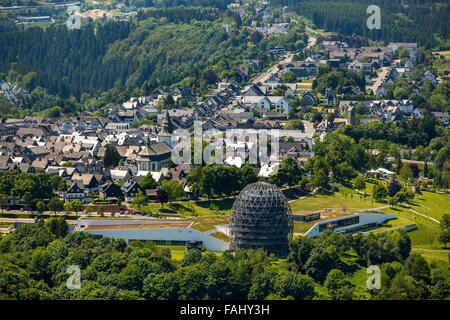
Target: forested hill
57, 53
174, 43
401, 20
162, 45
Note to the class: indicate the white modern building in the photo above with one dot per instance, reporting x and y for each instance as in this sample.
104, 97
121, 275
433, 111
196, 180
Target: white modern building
350, 224
278, 103
177, 233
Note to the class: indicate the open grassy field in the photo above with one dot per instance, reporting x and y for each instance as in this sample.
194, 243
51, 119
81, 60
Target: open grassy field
203, 224
434, 205
303, 227
221, 236
433, 255
424, 240
446, 54
190, 208
176, 251
393, 224
6, 224
442, 64
179, 251
335, 201
359, 278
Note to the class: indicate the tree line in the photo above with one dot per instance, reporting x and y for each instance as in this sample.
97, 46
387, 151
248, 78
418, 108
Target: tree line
402, 21
34, 260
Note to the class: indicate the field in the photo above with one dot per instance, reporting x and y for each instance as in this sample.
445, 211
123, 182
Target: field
203, 224
179, 251
359, 278
446, 54
190, 208
6, 224
433, 255
303, 227
427, 230
335, 201
442, 64
305, 85
221, 236
393, 224
424, 239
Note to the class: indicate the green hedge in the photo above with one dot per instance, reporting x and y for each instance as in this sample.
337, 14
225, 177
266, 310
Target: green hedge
31, 216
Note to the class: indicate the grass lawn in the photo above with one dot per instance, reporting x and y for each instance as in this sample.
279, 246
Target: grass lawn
321, 293
432, 204
203, 224
424, 239
431, 255
442, 64
43, 25
394, 223
359, 278
6, 224
335, 201
303, 227
189, 208
305, 85
446, 54
177, 251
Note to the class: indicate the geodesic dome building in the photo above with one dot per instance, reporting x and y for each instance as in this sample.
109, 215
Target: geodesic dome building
261, 218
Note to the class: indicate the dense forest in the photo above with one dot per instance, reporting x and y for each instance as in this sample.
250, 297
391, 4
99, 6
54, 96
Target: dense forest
34, 261
176, 42
75, 57
401, 21
162, 47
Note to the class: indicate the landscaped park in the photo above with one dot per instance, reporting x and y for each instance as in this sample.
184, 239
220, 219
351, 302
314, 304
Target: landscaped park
424, 210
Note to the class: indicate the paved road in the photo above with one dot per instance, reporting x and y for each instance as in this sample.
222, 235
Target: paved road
379, 80
263, 77
312, 40
409, 161
287, 59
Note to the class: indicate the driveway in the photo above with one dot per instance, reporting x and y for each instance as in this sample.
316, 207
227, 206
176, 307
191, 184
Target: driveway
379, 80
